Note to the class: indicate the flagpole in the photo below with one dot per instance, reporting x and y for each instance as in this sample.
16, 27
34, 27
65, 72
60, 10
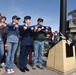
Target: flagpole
63, 17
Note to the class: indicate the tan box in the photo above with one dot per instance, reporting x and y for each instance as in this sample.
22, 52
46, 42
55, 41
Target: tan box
57, 58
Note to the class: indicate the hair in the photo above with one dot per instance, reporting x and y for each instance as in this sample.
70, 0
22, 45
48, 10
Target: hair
3, 17
25, 20
40, 20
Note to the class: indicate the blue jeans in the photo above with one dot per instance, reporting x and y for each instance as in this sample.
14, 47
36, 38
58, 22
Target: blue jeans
38, 52
1, 50
10, 55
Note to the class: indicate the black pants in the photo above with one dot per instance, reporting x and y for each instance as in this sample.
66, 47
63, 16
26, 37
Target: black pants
24, 52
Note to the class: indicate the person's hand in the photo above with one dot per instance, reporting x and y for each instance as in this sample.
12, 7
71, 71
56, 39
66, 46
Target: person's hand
16, 26
35, 28
39, 29
25, 27
47, 42
4, 25
48, 35
46, 30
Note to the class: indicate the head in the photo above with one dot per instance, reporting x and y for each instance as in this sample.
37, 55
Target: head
3, 19
27, 20
15, 19
56, 32
74, 15
40, 21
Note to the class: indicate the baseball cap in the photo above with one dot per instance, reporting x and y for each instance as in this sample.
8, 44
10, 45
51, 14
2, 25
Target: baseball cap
16, 17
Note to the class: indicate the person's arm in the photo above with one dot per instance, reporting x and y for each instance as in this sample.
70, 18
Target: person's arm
10, 25
21, 30
39, 28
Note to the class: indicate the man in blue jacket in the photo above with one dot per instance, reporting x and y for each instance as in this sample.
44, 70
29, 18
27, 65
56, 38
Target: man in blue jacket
26, 43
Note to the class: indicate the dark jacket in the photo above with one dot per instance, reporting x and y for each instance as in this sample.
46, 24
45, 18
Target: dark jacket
41, 35
2, 35
26, 35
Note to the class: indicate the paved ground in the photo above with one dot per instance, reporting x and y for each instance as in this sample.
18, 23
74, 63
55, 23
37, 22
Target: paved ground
2, 71
46, 71
37, 72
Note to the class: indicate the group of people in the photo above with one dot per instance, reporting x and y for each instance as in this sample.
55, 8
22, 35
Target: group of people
28, 36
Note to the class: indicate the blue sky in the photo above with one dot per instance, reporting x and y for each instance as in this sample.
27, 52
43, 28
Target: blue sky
49, 10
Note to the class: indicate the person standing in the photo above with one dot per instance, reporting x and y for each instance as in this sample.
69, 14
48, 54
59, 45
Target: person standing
12, 41
2, 23
40, 33
26, 43
56, 36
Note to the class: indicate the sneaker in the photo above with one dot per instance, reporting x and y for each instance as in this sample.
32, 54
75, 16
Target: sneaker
3, 64
26, 69
12, 71
8, 71
34, 67
41, 67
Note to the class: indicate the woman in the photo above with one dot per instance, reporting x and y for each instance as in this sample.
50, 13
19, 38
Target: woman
26, 42
2, 23
12, 41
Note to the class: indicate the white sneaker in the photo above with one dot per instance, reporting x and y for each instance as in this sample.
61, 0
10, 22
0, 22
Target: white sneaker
12, 71
8, 71
3, 64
